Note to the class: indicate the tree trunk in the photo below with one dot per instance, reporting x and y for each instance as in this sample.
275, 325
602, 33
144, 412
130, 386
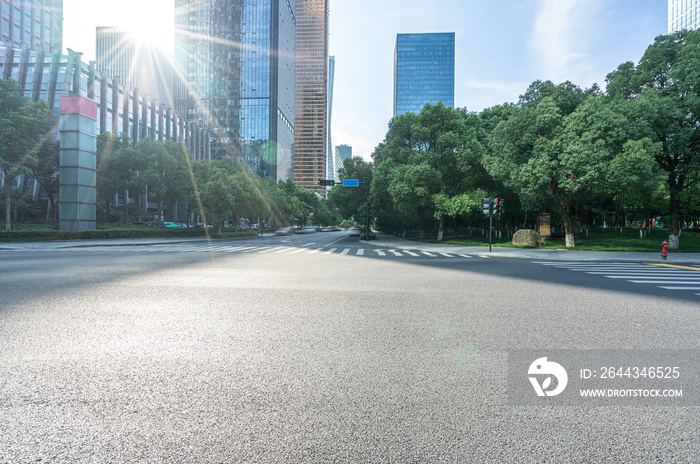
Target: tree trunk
441, 229
564, 209
8, 201
674, 229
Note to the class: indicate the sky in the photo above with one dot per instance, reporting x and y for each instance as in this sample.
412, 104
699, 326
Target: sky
501, 46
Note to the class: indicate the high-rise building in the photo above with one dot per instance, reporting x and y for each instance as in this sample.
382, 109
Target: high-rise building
424, 71
330, 165
34, 24
683, 14
342, 152
311, 95
137, 65
235, 75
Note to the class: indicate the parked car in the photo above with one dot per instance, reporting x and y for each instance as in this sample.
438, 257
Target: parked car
171, 225
283, 231
306, 230
355, 231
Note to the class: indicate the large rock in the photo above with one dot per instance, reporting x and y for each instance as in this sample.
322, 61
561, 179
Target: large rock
527, 237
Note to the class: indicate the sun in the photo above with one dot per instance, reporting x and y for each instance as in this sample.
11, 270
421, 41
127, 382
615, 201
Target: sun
158, 34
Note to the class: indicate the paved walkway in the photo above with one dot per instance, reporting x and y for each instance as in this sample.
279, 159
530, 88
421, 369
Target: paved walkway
393, 242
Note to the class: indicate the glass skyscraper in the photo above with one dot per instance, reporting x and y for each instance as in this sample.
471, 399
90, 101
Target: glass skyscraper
683, 14
235, 75
331, 77
137, 65
311, 95
424, 71
35, 24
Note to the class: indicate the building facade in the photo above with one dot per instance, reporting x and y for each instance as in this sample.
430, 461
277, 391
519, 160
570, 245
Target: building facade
138, 65
424, 71
311, 95
330, 162
683, 14
342, 152
47, 77
34, 24
235, 76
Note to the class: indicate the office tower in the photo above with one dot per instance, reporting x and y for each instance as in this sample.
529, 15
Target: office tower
235, 75
35, 24
342, 152
311, 95
137, 65
424, 71
331, 75
683, 14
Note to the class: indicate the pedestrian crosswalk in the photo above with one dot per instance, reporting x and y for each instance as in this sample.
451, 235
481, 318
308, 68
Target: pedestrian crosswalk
668, 277
270, 250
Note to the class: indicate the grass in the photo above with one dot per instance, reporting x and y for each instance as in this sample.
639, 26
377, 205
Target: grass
597, 240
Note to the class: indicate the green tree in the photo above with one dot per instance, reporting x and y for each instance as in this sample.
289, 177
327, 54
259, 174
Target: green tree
46, 173
24, 128
530, 152
351, 202
663, 96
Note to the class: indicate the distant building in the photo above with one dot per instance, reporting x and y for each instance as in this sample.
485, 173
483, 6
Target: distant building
683, 14
46, 76
424, 71
235, 76
311, 95
34, 24
342, 152
137, 65
330, 165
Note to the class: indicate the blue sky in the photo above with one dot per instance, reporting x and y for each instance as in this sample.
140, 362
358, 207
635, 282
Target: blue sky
501, 46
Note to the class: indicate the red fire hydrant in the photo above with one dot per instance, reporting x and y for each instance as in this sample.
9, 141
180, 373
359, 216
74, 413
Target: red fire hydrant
664, 249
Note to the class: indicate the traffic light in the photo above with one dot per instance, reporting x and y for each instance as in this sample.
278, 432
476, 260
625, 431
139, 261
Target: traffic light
497, 204
486, 204
326, 182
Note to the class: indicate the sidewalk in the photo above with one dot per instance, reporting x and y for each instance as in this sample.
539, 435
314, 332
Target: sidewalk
109, 242
396, 243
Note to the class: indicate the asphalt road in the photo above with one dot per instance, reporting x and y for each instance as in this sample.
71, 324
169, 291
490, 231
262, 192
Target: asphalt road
281, 350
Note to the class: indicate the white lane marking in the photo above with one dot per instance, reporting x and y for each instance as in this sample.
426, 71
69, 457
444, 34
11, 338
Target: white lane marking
345, 251
314, 251
484, 256
429, 254
667, 282
396, 253
447, 255
284, 249
309, 244
330, 251
651, 277
681, 288
360, 252
411, 253
298, 251
380, 252
271, 249
465, 256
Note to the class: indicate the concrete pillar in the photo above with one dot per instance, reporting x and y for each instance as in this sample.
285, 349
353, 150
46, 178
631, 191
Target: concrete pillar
77, 194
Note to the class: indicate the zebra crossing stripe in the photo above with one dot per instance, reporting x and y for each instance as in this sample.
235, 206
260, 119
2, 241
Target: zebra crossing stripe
316, 250
380, 253
298, 251
360, 252
411, 253
284, 249
345, 251
484, 256
271, 249
330, 251
447, 255
396, 253
465, 256
429, 254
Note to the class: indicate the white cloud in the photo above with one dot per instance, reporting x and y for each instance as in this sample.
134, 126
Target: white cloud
563, 39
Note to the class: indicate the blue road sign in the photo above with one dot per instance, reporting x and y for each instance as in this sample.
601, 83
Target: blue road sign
351, 182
